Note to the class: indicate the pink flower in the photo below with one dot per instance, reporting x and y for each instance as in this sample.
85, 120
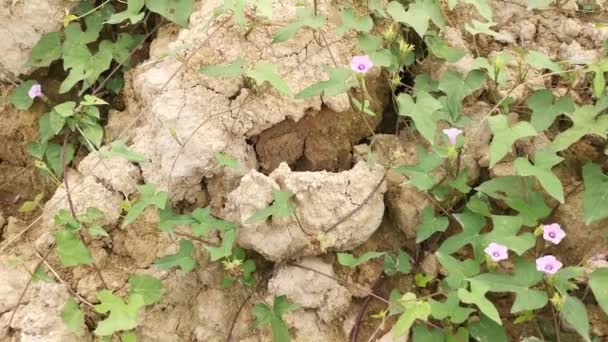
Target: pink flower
497, 251
361, 64
452, 133
35, 90
553, 233
548, 264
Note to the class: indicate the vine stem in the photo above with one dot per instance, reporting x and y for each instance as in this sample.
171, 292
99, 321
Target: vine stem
355, 330
93, 10
71, 205
74, 293
27, 285
556, 323
142, 110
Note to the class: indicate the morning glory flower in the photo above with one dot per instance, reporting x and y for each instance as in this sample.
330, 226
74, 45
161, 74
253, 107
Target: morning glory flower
497, 251
548, 264
35, 91
452, 134
553, 233
361, 64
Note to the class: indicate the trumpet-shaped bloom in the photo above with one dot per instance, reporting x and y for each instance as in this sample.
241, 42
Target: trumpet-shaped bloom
548, 264
35, 91
361, 64
452, 134
553, 233
497, 251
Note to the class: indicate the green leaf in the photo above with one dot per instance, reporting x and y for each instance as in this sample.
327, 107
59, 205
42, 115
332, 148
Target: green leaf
441, 49
377, 7
519, 194
477, 296
478, 27
76, 75
348, 260
505, 232
148, 287
482, 7
486, 330
421, 174
539, 60
183, 259
232, 69
40, 275
565, 279
236, 8
133, 13
148, 196
119, 149
90, 100
599, 80
97, 230
266, 72
413, 309
128, 336
350, 20
70, 249
64, 218
72, 316
396, 263
505, 136
177, 11
458, 271
53, 156
99, 62
457, 88
304, 18
471, 224
94, 134
549, 181
167, 219
584, 121
264, 7
19, 96
115, 84
46, 51
421, 333
65, 109
545, 110
340, 81
37, 149
205, 222
124, 45
225, 159
597, 283
539, 4
281, 207
266, 315
450, 308
574, 312
421, 112
122, 316
225, 249
430, 224
596, 193
460, 182
31, 205
479, 205
520, 283
418, 14
362, 107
